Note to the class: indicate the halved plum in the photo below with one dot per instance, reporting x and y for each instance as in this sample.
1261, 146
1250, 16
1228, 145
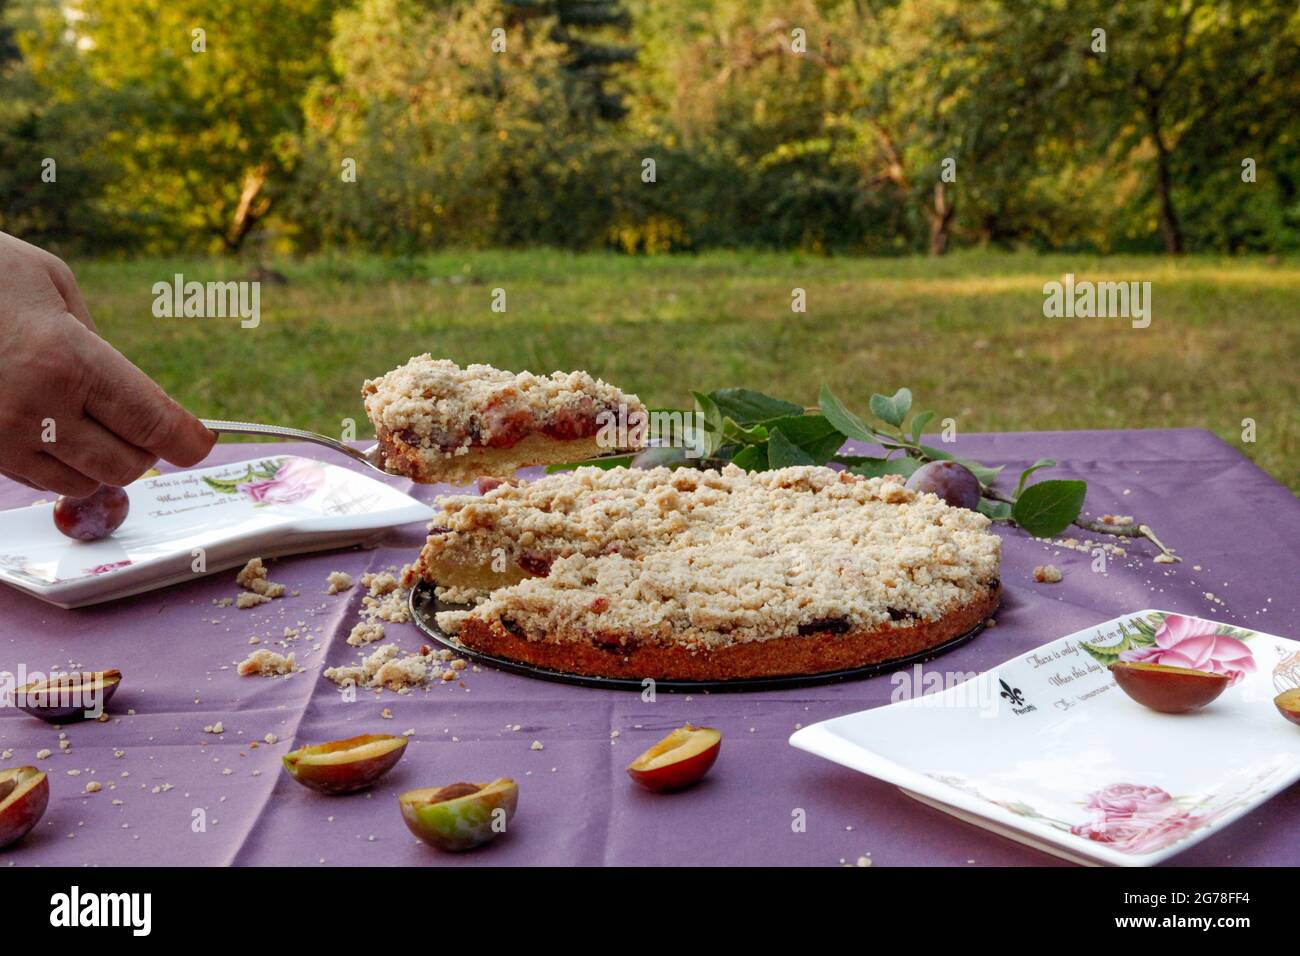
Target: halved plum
679, 760
24, 795
1168, 689
1288, 704
344, 766
460, 816
65, 697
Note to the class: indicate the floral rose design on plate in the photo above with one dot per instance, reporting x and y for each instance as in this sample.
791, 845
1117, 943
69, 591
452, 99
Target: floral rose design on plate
279, 481
1178, 640
1133, 818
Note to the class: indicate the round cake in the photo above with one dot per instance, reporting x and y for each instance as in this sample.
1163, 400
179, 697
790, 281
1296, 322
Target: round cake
700, 575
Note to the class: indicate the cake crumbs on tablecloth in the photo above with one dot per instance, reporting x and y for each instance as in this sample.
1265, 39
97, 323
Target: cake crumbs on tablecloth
366, 632
339, 581
1048, 574
264, 663
253, 578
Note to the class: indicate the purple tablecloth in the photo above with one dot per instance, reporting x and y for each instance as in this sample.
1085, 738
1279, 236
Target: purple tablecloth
577, 806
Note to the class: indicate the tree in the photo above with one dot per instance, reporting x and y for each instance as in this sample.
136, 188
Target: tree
203, 98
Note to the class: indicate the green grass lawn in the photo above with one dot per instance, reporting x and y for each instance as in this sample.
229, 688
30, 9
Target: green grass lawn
966, 333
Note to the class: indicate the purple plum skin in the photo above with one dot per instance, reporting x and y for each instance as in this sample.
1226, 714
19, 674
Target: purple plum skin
951, 481
93, 517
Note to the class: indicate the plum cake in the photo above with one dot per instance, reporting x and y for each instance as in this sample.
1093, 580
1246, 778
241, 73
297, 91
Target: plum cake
435, 421
708, 575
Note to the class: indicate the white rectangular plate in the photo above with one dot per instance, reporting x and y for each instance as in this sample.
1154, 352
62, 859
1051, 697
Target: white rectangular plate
1047, 750
264, 506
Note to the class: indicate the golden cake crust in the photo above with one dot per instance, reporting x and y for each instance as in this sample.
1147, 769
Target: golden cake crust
427, 467
803, 654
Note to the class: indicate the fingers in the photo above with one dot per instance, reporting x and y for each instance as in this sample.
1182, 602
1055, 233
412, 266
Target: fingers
53, 475
129, 404
63, 279
21, 480
91, 449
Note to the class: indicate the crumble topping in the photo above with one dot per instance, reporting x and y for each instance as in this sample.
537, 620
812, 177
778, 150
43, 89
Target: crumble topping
709, 558
449, 622
339, 581
446, 406
438, 422
456, 595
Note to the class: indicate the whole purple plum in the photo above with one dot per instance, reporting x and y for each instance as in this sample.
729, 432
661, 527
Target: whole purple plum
952, 482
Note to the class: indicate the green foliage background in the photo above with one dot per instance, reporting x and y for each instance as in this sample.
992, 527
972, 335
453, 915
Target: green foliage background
819, 125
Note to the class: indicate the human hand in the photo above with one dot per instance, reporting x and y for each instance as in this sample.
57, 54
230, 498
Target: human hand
74, 412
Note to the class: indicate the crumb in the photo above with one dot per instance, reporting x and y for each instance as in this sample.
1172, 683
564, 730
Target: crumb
1164, 559
339, 581
43, 754
386, 714
1047, 574
366, 632
265, 663
249, 599
217, 728
93, 787
253, 578
536, 745
384, 668
379, 583
270, 739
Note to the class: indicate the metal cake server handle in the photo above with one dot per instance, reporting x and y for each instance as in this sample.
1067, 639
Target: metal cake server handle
370, 457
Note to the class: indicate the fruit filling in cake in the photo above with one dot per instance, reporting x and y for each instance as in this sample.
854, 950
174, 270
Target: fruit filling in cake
436, 421
697, 574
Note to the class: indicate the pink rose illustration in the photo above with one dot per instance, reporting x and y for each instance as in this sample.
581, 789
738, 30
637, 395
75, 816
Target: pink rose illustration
296, 479
1189, 642
1135, 819
1140, 834
1127, 799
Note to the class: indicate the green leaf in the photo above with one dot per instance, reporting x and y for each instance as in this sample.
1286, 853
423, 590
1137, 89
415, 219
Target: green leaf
1048, 507
938, 454
984, 473
712, 422
875, 467
813, 433
748, 407
620, 461
997, 510
753, 458
919, 421
734, 432
844, 420
1041, 463
783, 453
892, 409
